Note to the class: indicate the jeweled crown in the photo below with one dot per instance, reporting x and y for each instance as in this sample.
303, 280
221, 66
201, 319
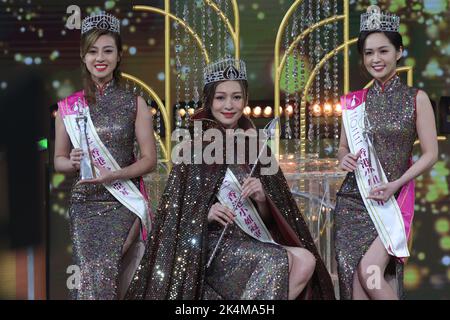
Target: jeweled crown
375, 20
102, 20
225, 69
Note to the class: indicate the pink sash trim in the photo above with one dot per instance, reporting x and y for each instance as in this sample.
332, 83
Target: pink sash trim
406, 203
65, 106
360, 96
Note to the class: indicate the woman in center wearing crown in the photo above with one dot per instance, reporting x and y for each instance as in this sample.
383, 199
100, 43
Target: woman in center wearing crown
375, 204
95, 131
266, 252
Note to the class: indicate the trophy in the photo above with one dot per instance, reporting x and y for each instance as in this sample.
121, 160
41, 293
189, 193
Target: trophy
374, 172
86, 164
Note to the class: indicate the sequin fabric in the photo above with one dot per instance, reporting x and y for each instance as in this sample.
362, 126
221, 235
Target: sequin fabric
391, 112
174, 264
244, 268
99, 224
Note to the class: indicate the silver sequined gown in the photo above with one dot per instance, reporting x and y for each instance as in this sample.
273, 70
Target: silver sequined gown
245, 268
99, 223
391, 111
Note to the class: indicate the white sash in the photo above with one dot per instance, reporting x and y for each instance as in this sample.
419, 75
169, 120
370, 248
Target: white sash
123, 190
247, 217
386, 216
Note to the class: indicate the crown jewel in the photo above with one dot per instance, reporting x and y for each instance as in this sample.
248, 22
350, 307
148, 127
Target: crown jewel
102, 21
225, 69
375, 20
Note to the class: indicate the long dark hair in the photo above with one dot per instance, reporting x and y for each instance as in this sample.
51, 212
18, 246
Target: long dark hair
87, 41
395, 39
210, 89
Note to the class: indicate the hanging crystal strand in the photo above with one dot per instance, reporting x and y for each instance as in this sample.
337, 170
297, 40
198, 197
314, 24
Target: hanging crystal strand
204, 38
287, 71
295, 102
288, 130
178, 68
157, 128
335, 81
287, 98
186, 66
158, 131
327, 79
203, 25
318, 54
195, 71
156, 123
210, 30
219, 32
227, 37
302, 80
311, 128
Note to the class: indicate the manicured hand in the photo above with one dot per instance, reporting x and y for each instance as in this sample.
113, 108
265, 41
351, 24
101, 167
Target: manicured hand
221, 214
75, 158
105, 176
384, 191
253, 188
350, 161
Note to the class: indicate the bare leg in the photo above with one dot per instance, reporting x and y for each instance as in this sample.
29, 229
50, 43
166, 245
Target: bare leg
134, 232
301, 268
358, 291
371, 273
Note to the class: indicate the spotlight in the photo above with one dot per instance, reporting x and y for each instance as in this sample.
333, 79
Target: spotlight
182, 112
247, 111
338, 110
327, 109
316, 110
191, 111
289, 110
257, 111
267, 111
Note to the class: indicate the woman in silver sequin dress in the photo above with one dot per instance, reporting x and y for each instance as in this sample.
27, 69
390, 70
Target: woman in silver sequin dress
397, 115
190, 219
102, 228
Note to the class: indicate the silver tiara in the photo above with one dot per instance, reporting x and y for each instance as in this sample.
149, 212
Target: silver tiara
375, 20
225, 69
102, 21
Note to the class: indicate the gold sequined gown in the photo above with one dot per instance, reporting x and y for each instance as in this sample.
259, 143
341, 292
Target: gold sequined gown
174, 264
391, 111
99, 223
